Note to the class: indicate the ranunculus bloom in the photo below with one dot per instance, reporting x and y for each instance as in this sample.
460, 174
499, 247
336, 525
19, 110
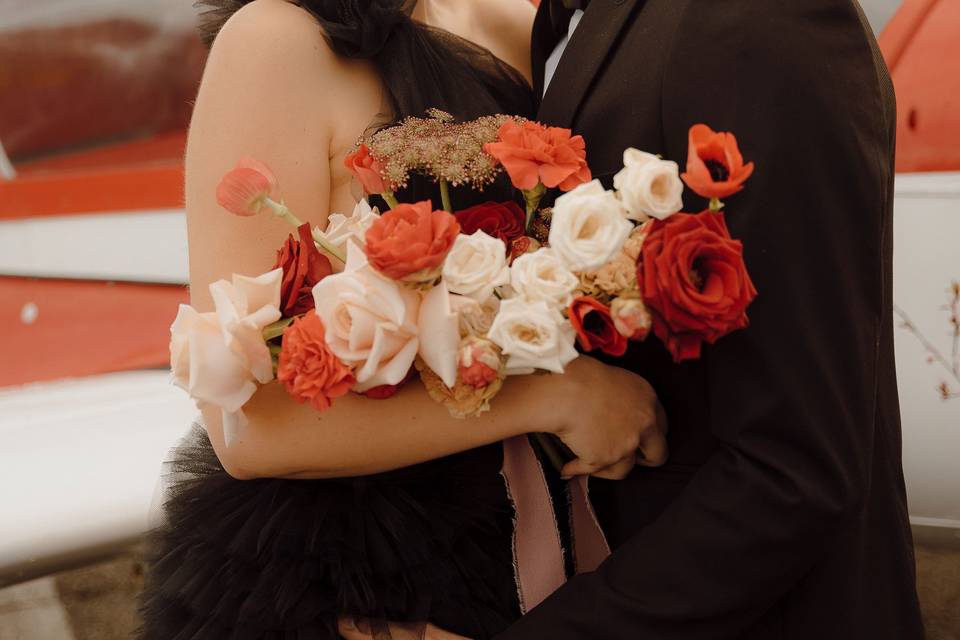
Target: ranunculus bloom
532, 154
631, 318
715, 167
307, 368
243, 189
595, 328
367, 170
694, 281
410, 239
303, 266
503, 220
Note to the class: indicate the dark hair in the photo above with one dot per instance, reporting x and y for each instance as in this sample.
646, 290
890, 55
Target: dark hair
452, 74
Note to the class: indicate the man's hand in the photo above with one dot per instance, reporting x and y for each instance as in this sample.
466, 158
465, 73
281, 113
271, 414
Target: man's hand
349, 631
614, 423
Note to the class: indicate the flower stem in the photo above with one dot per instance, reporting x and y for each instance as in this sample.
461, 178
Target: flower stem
390, 199
327, 247
556, 452
282, 212
532, 198
275, 330
445, 196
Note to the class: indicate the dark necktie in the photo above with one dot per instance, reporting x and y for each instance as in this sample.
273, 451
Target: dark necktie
560, 13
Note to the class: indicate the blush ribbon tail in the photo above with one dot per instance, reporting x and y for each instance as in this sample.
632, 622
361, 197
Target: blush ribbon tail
537, 550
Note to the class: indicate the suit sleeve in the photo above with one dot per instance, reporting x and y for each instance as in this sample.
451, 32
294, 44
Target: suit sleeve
791, 398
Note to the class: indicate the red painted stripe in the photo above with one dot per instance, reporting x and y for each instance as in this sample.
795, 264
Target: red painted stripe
136, 175
83, 327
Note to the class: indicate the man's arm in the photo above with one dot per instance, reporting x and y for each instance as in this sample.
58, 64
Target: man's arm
791, 398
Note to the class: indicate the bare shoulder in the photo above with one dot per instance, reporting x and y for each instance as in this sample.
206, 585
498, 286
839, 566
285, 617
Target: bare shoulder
272, 31
506, 26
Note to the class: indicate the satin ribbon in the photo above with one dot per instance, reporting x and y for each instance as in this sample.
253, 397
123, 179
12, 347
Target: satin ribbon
537, 550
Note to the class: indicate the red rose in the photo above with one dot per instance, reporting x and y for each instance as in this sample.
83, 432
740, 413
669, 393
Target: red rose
504, 220
694, 281
303, 266
595, 327
715, 166
387, 391
410, 239
367, 170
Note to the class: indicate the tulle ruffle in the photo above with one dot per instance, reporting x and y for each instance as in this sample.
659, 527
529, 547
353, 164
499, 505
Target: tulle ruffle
283, 559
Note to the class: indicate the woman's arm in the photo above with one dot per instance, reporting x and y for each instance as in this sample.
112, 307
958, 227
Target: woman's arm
273, 90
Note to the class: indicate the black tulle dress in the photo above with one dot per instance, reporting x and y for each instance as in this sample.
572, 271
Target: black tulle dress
283, 559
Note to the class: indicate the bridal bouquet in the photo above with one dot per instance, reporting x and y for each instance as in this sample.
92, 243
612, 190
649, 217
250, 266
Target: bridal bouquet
466, 298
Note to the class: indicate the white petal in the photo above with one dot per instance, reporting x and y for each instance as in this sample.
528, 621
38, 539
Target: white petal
440, 328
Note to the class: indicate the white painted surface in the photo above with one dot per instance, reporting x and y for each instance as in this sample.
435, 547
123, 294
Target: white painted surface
23, 14
139, 246
926, 259
80, 463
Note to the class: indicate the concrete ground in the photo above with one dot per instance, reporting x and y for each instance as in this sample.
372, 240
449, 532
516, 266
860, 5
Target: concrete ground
99, 602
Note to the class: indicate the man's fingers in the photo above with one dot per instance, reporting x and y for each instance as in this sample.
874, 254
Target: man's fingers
576, 468
617, 471
653, 449
349, 631
433, 633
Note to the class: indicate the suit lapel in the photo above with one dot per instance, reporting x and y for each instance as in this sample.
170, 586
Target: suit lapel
582, 59
542, 36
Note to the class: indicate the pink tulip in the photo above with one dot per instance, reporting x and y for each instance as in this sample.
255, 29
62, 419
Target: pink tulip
246, 188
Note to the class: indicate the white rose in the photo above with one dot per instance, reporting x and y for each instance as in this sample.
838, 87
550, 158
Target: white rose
533, 336
342, 229
374, 324
588, 227
475, 317
476, 265
218, 357
542, 276
649, 186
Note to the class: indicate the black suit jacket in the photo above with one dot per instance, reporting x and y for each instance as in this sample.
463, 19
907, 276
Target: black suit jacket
782, 511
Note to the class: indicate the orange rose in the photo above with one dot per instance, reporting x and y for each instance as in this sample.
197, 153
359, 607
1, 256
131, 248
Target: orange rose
307, 368
715, 166
532, 154
367, 170
410, 239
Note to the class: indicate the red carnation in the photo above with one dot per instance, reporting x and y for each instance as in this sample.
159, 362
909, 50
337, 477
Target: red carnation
694, 281
307, 368
303, 266
533, 154
595, 327
504, 220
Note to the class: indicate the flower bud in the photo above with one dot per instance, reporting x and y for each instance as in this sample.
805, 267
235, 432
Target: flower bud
480, 362
631, 318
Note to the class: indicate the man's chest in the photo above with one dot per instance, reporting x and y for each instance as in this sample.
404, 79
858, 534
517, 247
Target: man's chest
619, 104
